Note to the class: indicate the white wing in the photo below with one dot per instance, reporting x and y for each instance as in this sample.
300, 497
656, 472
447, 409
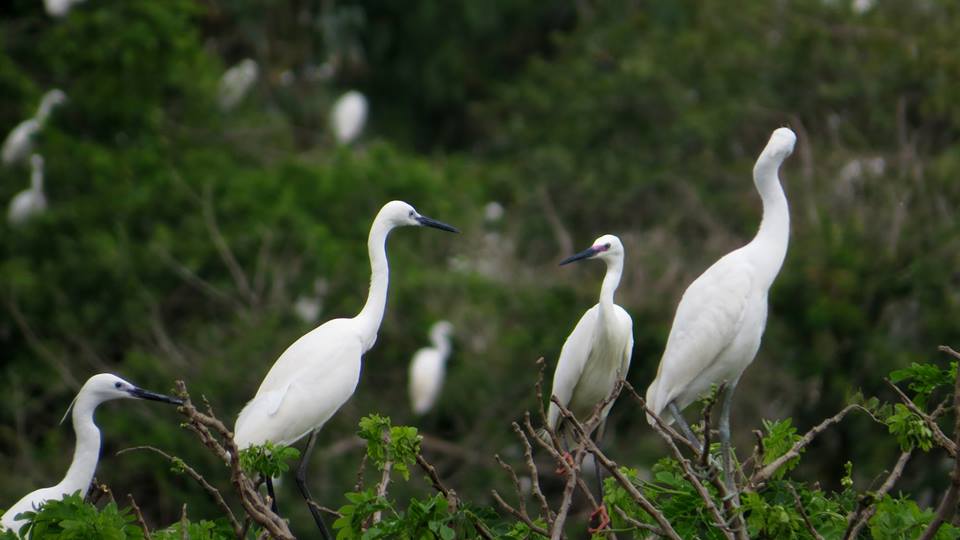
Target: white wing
573, 358
310, 381
708, 318
426, 379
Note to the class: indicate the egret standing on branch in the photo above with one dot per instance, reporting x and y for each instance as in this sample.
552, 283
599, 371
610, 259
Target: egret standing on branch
721, 317
597, 353
348, 116
19, 142
428, 367
319, 372
30, 201
96, 390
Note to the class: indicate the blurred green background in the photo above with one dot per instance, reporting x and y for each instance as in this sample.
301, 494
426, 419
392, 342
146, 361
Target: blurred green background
179, 236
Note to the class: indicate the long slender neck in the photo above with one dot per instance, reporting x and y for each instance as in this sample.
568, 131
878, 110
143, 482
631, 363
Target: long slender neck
87, 452
610, 282
36, 179
371, 315
771, 240
441, 342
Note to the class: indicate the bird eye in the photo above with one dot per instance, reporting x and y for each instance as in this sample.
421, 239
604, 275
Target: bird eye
412, 213
607, 245
117, 384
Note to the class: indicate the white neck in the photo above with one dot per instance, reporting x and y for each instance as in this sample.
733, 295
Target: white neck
770, 243
441, 342
36, 179
371, 315
87, 452
611, 280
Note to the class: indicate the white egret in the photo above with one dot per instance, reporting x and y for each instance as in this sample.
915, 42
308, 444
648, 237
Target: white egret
236, 82
721, 317
428, 367
493, 212
19, 142
30, 201
59, 8
348, 115
96, 390
319, 372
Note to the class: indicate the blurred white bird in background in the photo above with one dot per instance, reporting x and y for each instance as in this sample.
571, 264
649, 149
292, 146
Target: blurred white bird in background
428, 368
493, 212
59, 8
308, 307
97, 389
236, 82
19, 142
31, 201
721, 317
348, 116
319, 372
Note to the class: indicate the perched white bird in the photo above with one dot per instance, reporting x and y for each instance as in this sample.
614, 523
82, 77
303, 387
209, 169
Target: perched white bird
59, 8
721, 317
96, 390
428, 367
19, 142
236, 82
30, 201
319, 372
348, 116
597, 352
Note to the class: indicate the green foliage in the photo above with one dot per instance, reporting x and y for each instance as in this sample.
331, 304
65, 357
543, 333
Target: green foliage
909, 429
780, 438
396, 444
196, 530
73, 519
901, 519
925, 379
424, 519
268, 459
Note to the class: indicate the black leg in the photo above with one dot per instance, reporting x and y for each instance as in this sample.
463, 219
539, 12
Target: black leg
301, 477
596, 462
273, 496
727, 401
684, 427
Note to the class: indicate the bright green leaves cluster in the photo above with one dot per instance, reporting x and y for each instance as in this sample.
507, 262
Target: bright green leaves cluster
902, 519
200, 530
428, 519
773, 512
396, 444
74, 519
924, 379
268, 459
909, 429
780, 438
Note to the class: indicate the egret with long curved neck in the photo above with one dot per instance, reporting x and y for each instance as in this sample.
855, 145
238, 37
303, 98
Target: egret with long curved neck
319, 372
721, 317
96, 390
597, 353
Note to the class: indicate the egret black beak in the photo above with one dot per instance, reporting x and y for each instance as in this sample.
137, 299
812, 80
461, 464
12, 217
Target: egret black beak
146, 394
430, 222
585, 254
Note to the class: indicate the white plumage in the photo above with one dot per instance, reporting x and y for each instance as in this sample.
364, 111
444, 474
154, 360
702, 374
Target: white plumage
308, 307
31, 201
96, 390
19, 142
721, 317
597, 353
236, 82
428, 369
59, 8
348, 116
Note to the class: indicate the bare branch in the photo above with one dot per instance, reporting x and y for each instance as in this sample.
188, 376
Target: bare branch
948, 505
517, 514
139, 515
938, 435
867, 505
534, 473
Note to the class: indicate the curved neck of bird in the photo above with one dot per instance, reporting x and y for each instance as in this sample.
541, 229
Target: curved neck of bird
371, 315
441, 342
611, 280
771, 240
43, 112
87, 451
36, 179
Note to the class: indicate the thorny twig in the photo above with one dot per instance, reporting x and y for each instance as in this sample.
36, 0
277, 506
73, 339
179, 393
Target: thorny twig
948, 505
866, 508
139, 515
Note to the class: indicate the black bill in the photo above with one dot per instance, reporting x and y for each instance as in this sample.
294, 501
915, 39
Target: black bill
146, 394
585, 254
430, 222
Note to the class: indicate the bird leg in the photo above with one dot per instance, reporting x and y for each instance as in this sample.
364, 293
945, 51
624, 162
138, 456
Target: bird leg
604, 520
684, 427
273, 496
724, 429
301, 477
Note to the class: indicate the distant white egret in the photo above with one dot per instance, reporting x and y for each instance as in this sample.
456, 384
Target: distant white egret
348, 115
493, 212
96, 390
19, 142
32, 200
428, 367
319, 372
236, 82
721, 317
308, 307
59, 8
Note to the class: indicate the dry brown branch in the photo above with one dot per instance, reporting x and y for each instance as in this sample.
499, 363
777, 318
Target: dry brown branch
139, 515
761, 475
516, 482
192, 473
938, 435
803, 513
517, 514
534, 473
384, 478
571, 483
948, 505
208, 428
867, 505
638, 524
358, 486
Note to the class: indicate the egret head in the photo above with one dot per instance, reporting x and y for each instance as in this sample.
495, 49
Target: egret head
50, 100
441, 329
781, 143
106, 386
401, 214
608, 247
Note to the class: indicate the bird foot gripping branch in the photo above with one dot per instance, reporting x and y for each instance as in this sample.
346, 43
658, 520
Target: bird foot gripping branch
604, 517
